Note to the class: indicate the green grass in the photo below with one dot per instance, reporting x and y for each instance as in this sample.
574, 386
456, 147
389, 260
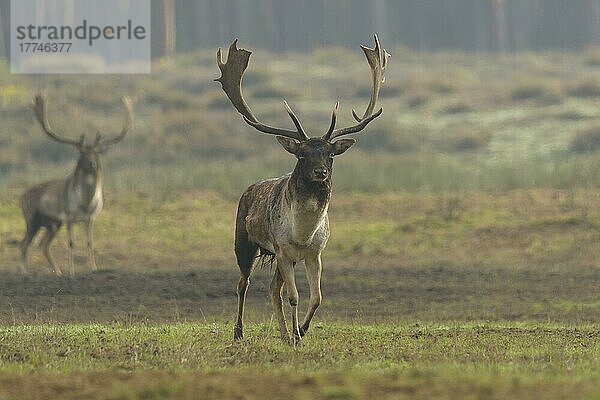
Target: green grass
475, 359
544, 228
425, 295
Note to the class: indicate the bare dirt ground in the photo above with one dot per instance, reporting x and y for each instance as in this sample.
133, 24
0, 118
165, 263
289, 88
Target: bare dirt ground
350, 293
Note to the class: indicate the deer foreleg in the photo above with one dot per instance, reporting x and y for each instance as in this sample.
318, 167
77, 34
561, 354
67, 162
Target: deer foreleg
90, 244
313, 273
24, 262
286, 269
276, 290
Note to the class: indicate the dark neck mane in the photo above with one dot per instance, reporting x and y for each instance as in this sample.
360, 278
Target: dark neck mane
303, 189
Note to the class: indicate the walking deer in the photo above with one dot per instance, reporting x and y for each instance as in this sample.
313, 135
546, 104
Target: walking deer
286, 217
78, 198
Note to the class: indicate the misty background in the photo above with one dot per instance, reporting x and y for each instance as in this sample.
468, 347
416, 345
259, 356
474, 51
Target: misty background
426, 25
476, 93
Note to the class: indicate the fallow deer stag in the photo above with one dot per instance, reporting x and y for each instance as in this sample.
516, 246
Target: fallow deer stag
78, 198
286, 217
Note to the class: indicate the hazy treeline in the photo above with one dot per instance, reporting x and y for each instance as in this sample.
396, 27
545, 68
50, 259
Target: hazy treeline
286, 25
473, 25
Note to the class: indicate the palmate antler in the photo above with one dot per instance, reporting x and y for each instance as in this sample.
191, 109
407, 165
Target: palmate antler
232, 73
40, 109
377, 58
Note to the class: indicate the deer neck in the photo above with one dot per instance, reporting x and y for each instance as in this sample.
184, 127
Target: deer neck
308, 202
86, 186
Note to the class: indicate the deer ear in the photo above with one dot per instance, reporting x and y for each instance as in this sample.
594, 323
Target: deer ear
290, 145
340, 146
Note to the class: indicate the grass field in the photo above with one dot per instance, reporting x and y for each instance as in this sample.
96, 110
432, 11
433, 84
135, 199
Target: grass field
453, 295
189, 361
548, 228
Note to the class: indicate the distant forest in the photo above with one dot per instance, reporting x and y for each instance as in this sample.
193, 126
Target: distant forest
300, 25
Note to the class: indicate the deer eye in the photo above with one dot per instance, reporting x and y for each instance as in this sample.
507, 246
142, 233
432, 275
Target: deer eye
331, 155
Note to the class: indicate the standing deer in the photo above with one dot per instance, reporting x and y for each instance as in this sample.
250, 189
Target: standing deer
287, 217
78, 198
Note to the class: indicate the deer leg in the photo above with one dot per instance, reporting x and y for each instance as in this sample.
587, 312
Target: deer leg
90, 244
276, 289
313, 273
24, 264
33, 225
245, 251
51, 231
71, 245
242, 289
286, 269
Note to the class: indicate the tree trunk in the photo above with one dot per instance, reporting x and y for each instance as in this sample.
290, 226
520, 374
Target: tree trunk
165, 24
499, 9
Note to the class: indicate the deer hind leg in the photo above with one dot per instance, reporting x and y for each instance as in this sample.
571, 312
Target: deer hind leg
276, 290
33, 225
245, 252
313, 272
90, 244
286, 269
51, 231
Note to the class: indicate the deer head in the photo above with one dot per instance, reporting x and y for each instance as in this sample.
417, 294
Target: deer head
315, 155
89, 154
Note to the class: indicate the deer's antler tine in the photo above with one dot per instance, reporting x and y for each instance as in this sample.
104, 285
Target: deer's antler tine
333, 121
295, 120
219, 62
232, 73
40, 109
377, 59
358, 127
